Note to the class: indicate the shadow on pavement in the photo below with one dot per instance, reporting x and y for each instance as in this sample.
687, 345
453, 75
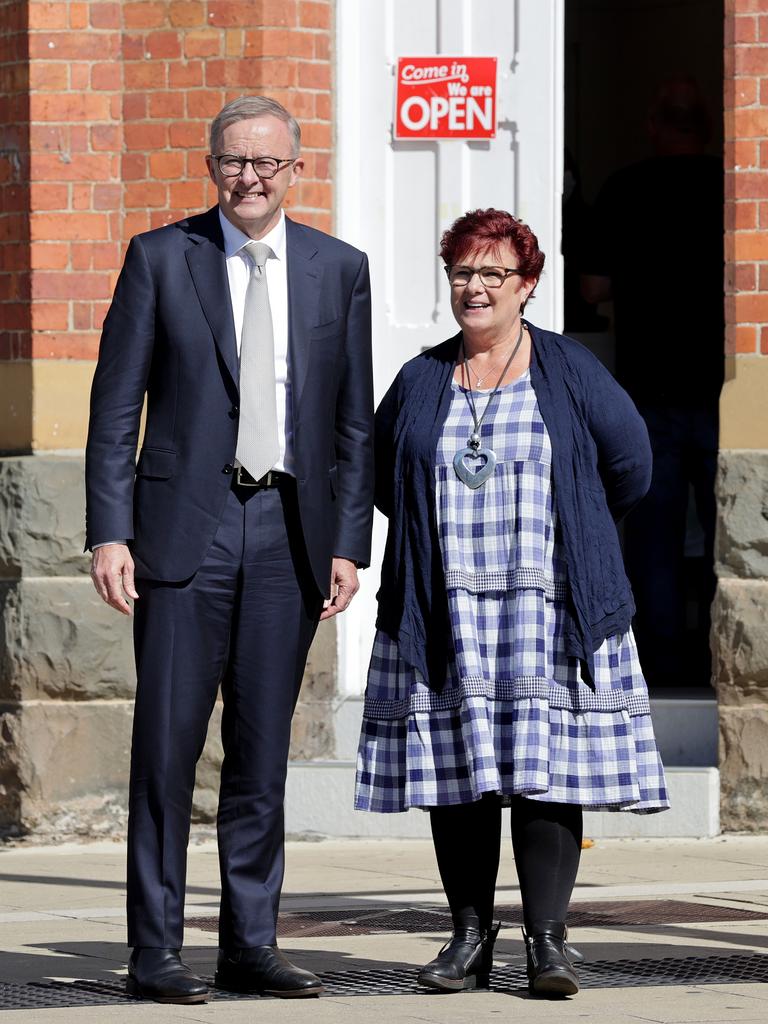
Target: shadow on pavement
92, 883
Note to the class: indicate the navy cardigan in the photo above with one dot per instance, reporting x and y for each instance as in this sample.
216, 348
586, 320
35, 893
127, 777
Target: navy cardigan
601, 467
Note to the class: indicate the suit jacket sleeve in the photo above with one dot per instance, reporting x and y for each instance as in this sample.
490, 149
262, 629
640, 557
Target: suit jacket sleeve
386, 416
117, 397
354, 430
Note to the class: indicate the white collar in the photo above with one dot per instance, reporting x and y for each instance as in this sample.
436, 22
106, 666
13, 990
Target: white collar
235, 239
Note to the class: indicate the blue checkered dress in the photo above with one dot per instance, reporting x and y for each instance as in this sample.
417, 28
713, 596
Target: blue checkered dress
515, 716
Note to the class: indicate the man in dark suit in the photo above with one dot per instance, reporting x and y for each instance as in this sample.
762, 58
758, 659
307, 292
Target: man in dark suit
242, 524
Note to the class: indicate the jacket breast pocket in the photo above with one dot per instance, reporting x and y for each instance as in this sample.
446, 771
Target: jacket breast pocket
156, 463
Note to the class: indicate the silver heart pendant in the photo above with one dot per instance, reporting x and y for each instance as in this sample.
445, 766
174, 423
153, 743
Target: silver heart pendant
466, 475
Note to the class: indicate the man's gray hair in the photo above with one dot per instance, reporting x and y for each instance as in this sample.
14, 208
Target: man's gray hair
247, 108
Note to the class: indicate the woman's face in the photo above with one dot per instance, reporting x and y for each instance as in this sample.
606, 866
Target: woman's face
481, 309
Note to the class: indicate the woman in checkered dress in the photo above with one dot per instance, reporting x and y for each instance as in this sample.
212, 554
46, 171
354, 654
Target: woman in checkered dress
504, 667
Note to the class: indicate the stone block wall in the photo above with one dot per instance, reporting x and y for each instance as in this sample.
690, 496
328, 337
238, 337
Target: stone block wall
104, 112
66, 679
739, 635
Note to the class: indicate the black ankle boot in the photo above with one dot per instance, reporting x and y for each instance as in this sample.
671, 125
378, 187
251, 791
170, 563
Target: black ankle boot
160, 974
550, 971
463, 963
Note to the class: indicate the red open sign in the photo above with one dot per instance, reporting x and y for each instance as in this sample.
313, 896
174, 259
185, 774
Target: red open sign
446, 98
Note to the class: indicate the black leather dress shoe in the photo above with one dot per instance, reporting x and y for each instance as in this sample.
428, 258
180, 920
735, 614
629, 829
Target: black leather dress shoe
159, 974
550, 971
264, 970
464, 963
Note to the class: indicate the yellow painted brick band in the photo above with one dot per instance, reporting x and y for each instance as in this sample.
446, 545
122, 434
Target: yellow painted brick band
44, 404
743, 409
16, 406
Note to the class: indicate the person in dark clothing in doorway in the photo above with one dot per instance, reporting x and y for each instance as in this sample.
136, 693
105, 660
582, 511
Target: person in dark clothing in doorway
658, 253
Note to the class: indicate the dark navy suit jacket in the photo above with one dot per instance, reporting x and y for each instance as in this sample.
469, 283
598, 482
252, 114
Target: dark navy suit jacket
170, 335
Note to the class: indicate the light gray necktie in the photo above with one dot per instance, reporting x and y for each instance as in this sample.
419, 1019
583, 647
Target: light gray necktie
258, 448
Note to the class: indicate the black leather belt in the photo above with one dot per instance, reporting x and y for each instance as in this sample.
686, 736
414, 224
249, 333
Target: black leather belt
273, 478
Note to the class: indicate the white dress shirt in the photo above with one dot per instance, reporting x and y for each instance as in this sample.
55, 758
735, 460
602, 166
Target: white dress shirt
239, 265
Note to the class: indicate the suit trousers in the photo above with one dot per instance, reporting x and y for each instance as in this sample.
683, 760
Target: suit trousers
244, 622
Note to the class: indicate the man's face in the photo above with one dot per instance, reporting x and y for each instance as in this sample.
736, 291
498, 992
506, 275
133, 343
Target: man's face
247, 201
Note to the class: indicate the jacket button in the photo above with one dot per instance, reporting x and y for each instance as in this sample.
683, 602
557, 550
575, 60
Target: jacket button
234, 411
228, 468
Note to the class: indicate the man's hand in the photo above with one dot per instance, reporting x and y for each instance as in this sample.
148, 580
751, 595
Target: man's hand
344, 586
112, 575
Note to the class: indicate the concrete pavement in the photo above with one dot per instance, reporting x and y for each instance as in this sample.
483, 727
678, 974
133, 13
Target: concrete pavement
704, 904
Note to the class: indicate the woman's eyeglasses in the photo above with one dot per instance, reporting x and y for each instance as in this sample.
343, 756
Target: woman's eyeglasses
490, 277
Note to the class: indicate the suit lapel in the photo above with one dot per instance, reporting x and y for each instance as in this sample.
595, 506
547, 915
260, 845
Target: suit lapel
207, 265
304, 280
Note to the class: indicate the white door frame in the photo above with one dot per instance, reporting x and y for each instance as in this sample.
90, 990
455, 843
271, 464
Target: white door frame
531, 109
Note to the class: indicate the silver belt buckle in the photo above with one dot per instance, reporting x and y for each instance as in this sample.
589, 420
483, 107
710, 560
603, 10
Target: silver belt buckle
244, 483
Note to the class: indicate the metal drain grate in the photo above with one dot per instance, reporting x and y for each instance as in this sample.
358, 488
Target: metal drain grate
711, 970
608, 914
623, 913
42, 994
689, 970
715, 970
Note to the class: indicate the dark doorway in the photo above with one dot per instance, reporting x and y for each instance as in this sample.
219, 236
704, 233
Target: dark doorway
627, 65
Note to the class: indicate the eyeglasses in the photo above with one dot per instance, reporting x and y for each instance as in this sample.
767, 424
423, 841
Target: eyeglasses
491, 277
265, 167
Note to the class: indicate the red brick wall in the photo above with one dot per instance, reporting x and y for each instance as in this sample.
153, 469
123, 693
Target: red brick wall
120, 96
75, 139
14, 172
746, 159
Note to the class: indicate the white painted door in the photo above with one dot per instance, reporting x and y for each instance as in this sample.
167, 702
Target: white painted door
394, 199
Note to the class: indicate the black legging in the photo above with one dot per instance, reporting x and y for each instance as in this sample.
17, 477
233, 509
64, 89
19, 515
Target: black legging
546, 839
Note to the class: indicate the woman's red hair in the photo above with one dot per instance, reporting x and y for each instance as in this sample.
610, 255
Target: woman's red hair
491, 229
